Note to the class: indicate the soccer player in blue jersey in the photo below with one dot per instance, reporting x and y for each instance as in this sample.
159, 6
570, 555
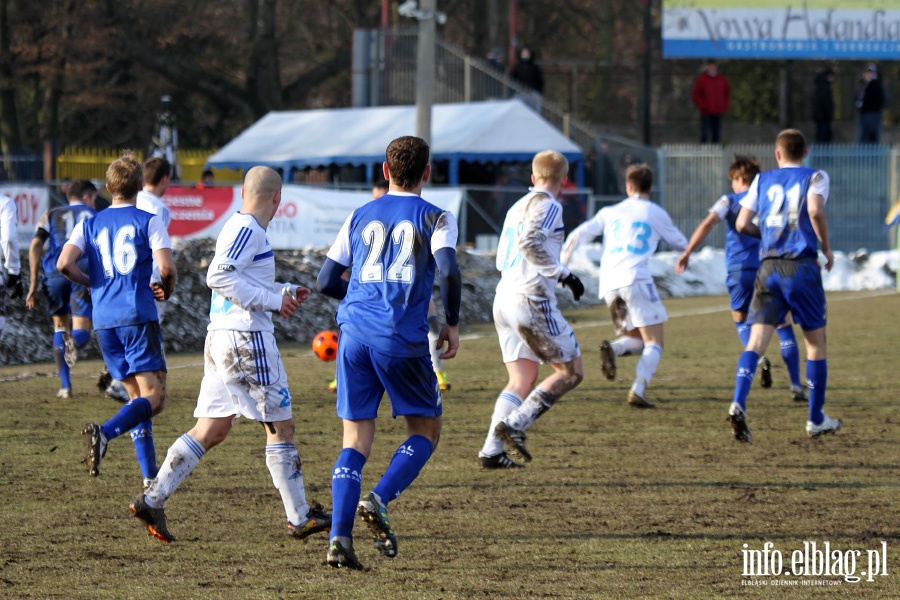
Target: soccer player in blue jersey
790, 202
393, 245
120, 244
243, 374
69, 304
742, 261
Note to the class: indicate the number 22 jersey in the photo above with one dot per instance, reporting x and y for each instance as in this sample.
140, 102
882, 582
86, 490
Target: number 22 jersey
390, 243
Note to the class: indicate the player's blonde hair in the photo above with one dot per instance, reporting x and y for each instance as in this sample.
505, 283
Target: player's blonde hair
549, 165
124, 176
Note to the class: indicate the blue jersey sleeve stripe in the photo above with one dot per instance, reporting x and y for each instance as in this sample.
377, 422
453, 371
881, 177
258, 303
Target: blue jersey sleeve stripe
263, 256
550, 217
239, 242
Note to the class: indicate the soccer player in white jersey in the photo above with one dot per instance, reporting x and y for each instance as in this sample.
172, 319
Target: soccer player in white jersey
157, 172
631, 232
393, 245
243, 374
790, 202
119, 244
531, 329
11, 284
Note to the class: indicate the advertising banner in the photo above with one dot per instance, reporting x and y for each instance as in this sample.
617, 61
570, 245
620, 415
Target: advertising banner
774, 29
32, 201
309, 217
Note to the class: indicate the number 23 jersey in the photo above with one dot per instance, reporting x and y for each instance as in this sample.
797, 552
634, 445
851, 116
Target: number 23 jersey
390, 244
119, 244
631, 232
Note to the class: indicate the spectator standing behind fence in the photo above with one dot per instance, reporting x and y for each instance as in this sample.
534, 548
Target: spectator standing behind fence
823, 106
711, 95
870, 101
529, 74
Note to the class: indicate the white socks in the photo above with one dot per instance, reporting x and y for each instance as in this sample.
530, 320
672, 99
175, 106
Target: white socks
181, 459
626, 345
505, 404
537, 403
284, 465
646, 367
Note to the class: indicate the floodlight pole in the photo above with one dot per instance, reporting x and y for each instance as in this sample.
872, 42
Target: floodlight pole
425, 70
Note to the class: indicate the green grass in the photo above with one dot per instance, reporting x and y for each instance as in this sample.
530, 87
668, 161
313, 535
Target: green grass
617, 503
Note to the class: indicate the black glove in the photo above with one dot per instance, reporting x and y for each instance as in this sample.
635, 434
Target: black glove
573, 283
14, 287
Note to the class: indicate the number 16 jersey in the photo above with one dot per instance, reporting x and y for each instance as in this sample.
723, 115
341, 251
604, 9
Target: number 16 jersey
119, 244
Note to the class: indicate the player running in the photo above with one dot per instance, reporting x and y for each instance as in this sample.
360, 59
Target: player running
742, 261
531, 329
631, 232
120, 244
790, 202
393, 245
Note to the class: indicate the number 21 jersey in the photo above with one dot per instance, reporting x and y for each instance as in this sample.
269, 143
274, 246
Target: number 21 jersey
780, 199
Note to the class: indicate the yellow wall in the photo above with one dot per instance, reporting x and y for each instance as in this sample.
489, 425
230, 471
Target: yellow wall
91, 163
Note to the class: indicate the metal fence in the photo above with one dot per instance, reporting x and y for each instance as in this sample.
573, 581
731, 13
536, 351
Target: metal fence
863, 186
21, 167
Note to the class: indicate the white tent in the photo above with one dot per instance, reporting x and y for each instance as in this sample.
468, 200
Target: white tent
495, 131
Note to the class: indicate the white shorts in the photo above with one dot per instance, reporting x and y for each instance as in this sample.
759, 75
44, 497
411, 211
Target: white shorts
637, 305
533, 329
243, 375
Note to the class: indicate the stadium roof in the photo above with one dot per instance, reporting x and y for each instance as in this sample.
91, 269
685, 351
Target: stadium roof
494, 131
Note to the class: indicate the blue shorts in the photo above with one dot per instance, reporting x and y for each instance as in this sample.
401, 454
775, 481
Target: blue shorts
364, 375
740, 288
132, 349
789, 285
64, 297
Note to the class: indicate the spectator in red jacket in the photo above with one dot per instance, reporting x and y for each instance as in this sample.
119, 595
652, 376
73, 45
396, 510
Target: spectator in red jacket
711, 95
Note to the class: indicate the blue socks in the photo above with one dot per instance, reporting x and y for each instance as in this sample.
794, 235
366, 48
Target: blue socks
144, 450
790, 353
346, 480
743, 331
743, 379
408, 460
136, 411
816, 380
81, 337
346, 485
59, 353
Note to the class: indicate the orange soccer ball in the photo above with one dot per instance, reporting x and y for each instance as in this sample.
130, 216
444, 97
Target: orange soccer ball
325, 345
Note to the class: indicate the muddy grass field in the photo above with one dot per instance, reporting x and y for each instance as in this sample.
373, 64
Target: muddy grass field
618, 503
